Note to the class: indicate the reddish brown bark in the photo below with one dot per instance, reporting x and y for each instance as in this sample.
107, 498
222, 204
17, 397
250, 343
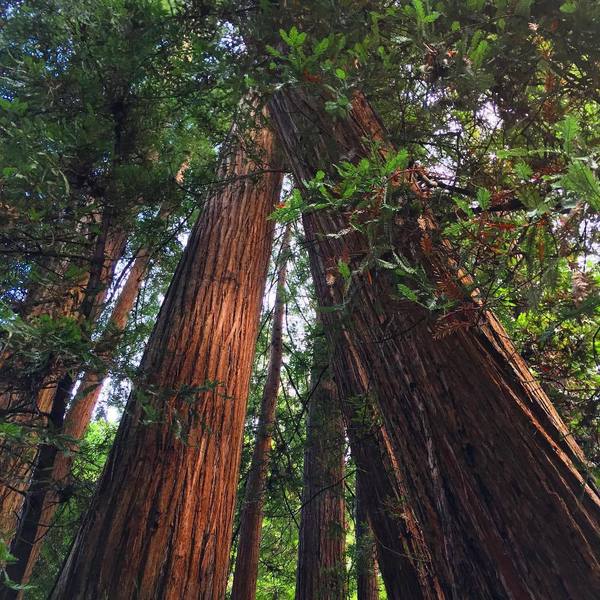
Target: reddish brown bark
321, 573
160, 523
404, 558
367, 587
32, 406
246, 562
489, 469
51, 474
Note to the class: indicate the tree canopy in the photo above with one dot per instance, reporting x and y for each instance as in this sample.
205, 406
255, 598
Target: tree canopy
122, 121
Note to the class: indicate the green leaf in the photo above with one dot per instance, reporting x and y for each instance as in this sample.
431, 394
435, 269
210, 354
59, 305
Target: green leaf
406, 292
10, 430
403, 268
568, 7
340, 74
332, 107
321, 46
513, 152
568, 130
284, 37
530, 198
386, 264
419, 10
349, 191
523, 170
398, 161
344, 270
464, 205
273, 51
5, 555
13, 585
581, 180
479, 54
484, 198
432, 16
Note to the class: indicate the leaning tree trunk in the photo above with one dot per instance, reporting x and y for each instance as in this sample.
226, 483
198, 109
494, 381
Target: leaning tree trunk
51, 473
41, 404
321, 573
160, 522
367, 587
246, 562
490, 470
404, 558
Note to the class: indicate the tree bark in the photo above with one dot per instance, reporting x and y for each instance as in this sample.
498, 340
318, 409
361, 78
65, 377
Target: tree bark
367, 587
160, 522
321, 573
490, 470
51, 473
246, 562
404, 558
32, 407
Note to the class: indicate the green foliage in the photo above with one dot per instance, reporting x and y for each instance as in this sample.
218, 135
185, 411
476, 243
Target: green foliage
494, 107
494, 99
581, 180
75, 498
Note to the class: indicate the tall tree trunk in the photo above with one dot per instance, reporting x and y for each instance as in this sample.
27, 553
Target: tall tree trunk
321, 571
33, 408
160, 522
491, 472
51, 474
246, 562
404, 558
367, 587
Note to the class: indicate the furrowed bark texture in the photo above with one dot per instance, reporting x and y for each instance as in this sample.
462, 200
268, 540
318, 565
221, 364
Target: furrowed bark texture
51, 474
404, 558
321, 573
246, 562
490, 470
32, 406
367, 587
160, 523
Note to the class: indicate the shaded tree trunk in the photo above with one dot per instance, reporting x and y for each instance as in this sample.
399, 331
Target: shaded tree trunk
32, 406
109, 250
404, 558
51, 474
490, 471
321, 573
367, 587
246, 562
30, 403
160, 522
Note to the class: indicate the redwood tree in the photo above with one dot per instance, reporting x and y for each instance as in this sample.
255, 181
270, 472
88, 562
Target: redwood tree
367, 587
251, 518
321, 571
41, 403
160, 522
88, 144
404, 558
51, 473
490, 470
